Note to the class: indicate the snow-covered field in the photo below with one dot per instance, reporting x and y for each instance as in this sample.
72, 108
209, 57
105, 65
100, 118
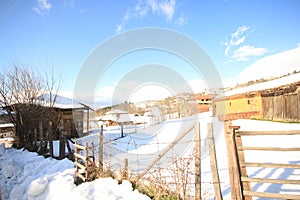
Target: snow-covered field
25, 175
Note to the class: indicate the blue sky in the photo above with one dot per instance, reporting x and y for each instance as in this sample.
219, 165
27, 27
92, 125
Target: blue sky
240, 37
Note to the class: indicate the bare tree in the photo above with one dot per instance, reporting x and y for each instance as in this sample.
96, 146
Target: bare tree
22, 92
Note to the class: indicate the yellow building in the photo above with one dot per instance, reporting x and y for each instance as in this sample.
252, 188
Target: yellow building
238, 106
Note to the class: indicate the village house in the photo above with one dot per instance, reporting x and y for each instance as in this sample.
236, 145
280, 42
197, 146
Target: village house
65, 115
73, 116
203, 102
115, 117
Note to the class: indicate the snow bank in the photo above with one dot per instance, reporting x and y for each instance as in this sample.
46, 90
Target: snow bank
25, 175
37, 187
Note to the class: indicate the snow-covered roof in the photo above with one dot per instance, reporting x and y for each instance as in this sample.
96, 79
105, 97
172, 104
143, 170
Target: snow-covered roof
62, 102
7, 125
294, 78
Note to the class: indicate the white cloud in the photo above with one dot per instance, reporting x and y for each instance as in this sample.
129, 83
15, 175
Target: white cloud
240, 31
181, 20
236, 39
119, 28
43, 7
244, 52
168, 8
236, 49
144, 7
271, 66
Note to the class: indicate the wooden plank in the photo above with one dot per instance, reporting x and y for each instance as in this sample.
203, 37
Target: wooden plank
197, 150
271, 195
76, 158
270, 165
79, 156
80, 176
79, 146
283, 132
265, 180
234, 127
213, 162
100, 151
241, 158
87, 159
232, 164
80, 166
270, 148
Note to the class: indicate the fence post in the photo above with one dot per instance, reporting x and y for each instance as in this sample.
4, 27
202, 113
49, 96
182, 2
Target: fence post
41, 138
213, 162
122, 131
86, 161
62, 142
197, 162
241, 158
234, 176
100, 151
51, 139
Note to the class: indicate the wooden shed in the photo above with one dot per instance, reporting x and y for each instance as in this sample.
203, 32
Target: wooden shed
70, 116
65, 116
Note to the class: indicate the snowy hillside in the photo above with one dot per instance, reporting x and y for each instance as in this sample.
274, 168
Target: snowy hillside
266, 85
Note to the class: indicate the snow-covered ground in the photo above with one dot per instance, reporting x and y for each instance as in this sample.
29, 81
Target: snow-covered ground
25, 175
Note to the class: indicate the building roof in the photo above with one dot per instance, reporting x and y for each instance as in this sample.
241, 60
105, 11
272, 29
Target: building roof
7, 125
63, 102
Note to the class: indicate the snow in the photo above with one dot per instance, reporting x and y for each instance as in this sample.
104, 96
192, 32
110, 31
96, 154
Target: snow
61, 102
7, 125
37, 187
266, 85
25, 175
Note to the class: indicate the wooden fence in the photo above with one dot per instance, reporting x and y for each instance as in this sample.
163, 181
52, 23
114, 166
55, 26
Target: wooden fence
281, 104
84, 161
239, 180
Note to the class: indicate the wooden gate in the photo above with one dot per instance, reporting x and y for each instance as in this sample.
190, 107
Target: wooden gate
85, 161
240, 181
